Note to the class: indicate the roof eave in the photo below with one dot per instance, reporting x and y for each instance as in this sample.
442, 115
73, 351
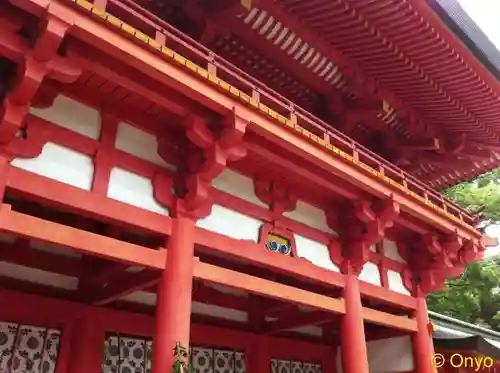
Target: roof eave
462, 25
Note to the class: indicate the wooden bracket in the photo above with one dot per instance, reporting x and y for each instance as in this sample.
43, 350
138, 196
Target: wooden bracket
209, 157
277, 196
434, 258
39, 62
363, 226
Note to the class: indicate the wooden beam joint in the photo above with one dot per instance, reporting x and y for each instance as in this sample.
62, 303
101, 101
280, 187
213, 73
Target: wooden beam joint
37, 63
208, 153
363, 224
433, 258
274, 194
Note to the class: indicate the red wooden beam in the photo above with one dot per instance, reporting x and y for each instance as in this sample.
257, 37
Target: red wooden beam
34, 288
122, 287
78, 240
279, 310
131, 80
209, 295
22, 254
302, 170
79, 201
108, 274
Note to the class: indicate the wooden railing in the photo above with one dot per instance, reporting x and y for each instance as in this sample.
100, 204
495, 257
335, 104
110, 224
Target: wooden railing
148, 29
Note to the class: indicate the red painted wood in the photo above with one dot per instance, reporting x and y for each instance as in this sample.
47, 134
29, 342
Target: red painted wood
422, 339
51, 311
103, 159
65, 350
352, 332
86, 345
173, 310
218, 151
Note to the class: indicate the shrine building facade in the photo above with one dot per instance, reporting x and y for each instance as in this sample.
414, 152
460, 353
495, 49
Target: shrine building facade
241, 186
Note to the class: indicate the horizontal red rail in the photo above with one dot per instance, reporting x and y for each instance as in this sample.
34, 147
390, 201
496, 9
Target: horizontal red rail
150, 29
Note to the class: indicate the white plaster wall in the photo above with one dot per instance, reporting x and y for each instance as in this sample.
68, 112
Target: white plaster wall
47, 248
219, 312
371, 274
386, 355
141, 297
139, 143
237, 185
231, 223
311, 216
196, 307
133, 189
227, 290
317, 253
72, 115
391, 250
314, 331
147, 298
61, 164
38, 276
396, 282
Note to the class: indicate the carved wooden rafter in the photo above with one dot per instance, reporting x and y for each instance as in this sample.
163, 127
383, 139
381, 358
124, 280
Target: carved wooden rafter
229, 7
433, 258
205, 12
361, 226
37, 63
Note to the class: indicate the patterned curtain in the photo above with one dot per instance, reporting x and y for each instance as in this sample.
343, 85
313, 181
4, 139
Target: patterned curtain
28, 349
287, 366
133, 355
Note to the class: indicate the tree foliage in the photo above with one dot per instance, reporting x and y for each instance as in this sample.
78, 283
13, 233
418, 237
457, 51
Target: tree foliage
479, 196
475, 296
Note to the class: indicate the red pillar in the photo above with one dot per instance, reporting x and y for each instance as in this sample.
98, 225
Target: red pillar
87, 346
173, 307
352, 330
64, 357
258, 356
4, 170
422, 340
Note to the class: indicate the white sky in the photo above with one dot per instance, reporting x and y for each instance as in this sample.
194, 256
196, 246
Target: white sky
486, 14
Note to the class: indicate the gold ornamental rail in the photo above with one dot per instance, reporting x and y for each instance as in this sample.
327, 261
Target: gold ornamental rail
255, 94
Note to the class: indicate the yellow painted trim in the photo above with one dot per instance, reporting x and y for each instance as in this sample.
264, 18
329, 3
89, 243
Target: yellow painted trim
114, 21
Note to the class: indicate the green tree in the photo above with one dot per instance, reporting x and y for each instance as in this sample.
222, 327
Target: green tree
475, 296
479, 196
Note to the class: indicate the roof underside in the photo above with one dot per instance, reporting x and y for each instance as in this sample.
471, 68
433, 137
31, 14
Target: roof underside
422, 99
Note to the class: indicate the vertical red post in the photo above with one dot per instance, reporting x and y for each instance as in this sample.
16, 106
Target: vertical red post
4, 170
352, 330
422, 340
173, 307
64, 357
87, 346
258, 357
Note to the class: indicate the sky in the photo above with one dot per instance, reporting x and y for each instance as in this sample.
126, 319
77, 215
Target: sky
486, 14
